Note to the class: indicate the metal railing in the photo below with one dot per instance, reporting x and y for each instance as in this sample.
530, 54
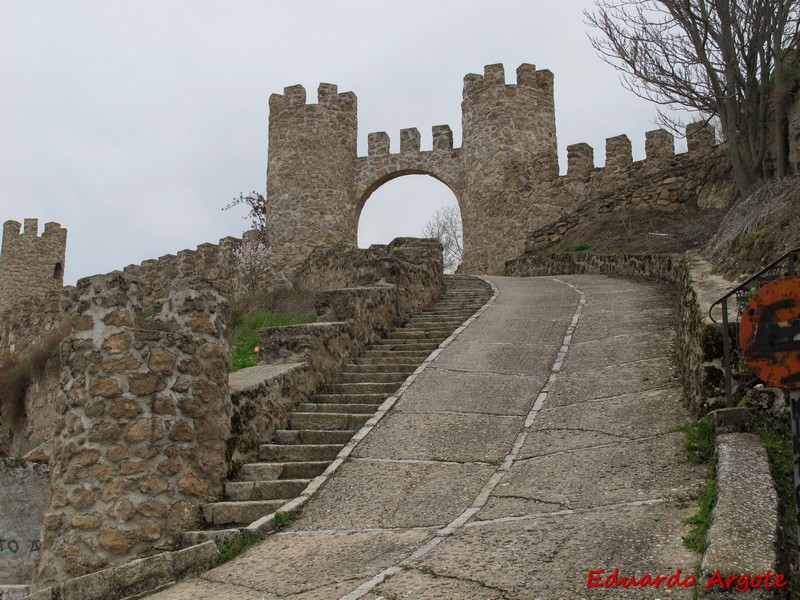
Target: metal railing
743, 292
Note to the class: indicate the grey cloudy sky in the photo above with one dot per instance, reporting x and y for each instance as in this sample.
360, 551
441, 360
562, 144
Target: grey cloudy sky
131, 122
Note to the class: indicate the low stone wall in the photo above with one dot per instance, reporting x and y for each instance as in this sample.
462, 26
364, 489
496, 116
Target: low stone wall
299, 358
140, 442
699, 339
414, 266
24, 489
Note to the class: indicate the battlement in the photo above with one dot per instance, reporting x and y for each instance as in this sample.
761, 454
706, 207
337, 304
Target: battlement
659, 150
378, 141
30, 264
494, 77
327, 96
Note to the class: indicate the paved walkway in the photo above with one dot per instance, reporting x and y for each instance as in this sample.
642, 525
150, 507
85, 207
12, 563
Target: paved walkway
538, 446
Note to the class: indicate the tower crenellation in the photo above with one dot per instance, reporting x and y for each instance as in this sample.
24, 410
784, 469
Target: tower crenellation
30, 264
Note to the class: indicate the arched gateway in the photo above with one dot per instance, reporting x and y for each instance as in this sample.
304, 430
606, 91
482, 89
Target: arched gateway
317, 185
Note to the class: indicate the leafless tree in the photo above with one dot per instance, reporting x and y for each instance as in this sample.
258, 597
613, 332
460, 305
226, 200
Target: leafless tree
445, 226
257, 205
728, 59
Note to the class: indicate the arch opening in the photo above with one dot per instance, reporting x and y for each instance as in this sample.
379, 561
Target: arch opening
413, 205
58, 271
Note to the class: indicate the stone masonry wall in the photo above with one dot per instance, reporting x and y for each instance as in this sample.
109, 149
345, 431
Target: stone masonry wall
412, 265
30, 265
24, 326
505, 176
143, 422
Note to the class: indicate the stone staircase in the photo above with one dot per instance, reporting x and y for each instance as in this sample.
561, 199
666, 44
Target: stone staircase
319, 429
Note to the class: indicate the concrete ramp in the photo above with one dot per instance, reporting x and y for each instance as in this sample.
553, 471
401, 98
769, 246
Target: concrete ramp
535, 457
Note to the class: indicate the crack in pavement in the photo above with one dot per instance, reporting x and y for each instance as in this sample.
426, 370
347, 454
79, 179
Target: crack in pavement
595, 447
478, 582
419, 461
568, 511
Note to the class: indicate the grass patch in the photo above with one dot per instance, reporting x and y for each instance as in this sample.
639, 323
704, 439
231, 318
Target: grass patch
234, 547
752, 237
581, 246
273, 309
699, 441
700, 444
700, 521
282, 521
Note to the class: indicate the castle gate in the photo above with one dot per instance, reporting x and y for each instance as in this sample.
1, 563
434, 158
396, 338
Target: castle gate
317, 185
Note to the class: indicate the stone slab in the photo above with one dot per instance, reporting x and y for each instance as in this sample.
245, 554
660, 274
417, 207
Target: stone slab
628, 471
252, 377
423, 583
620, 349
501, 358
438, 390
317, 565
441, 436
375, 494
550, 557
590, 383
744, 531
630, 416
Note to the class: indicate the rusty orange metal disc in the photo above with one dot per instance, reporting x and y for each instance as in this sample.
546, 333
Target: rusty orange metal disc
769, 333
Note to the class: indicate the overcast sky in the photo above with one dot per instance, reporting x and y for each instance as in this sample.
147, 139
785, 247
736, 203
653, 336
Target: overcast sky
131, 122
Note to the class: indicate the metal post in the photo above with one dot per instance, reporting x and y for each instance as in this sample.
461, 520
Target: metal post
794, 400
726, 354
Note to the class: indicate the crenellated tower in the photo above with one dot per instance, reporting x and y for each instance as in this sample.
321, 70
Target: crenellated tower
30, 265
312, 149
510, 157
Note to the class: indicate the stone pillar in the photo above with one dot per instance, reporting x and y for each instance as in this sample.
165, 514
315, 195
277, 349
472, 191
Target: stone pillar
310, 170
145, 417
510, 154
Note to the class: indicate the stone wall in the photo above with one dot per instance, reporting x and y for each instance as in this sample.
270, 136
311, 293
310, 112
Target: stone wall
352, 312
140, 441
24, 489
24, 326
414, 266
219, 262
504, 177
30, 265
699, 339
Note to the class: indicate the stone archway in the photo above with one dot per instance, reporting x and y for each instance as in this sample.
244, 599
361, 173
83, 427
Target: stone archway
403, 205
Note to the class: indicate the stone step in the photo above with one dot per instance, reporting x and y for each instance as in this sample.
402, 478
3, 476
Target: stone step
357, 408
264, 490
405, 369
298, 452
361, 388
312, 436
331, 420
419, 334
220, 536
393, 356
260, 471
407, 345
324, 399
370, 377
239, 513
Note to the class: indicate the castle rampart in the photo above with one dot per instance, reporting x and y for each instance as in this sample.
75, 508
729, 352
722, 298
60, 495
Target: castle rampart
30, 265
505, 176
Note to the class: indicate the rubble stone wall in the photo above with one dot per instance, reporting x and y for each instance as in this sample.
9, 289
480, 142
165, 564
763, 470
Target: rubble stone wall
140, 441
